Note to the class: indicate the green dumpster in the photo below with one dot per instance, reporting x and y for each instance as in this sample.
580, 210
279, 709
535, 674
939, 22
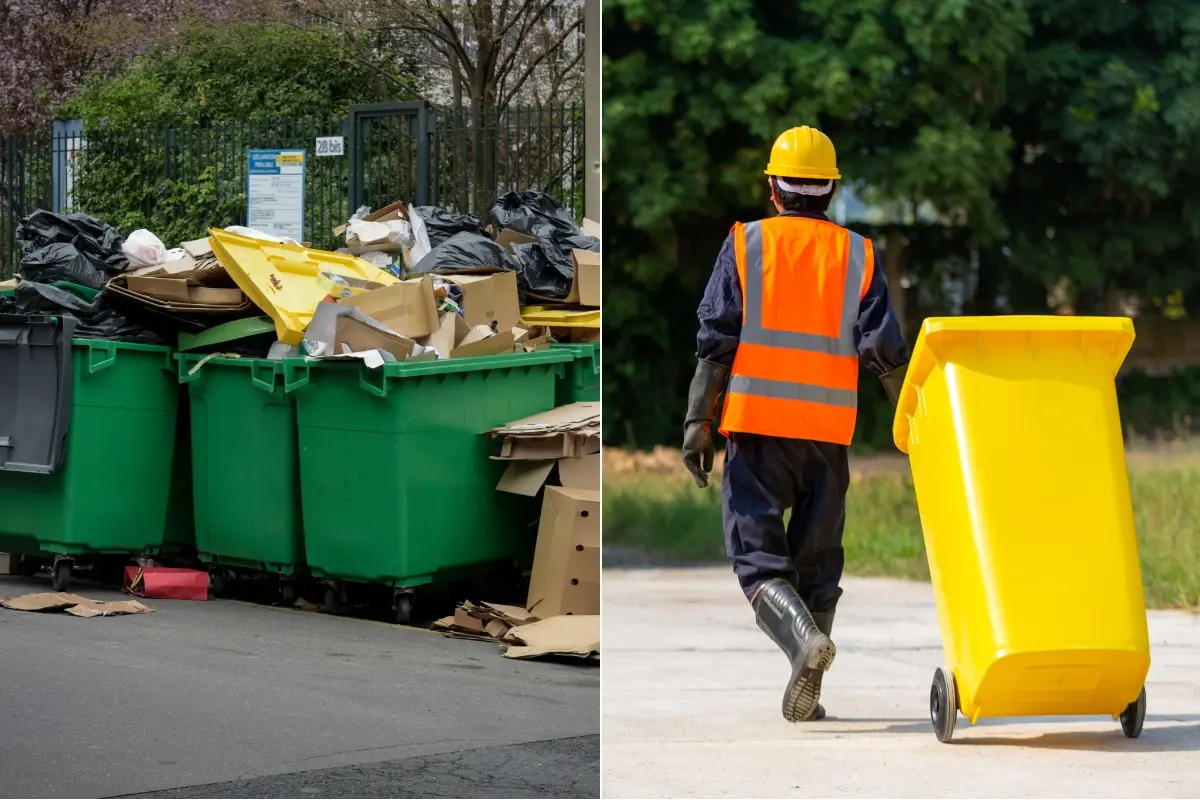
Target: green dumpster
581, 378
110, 495
245, 472
398, 485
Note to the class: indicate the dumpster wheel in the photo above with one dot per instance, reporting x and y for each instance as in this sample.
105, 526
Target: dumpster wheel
402, 605
60, 574
1134, 715
943, 705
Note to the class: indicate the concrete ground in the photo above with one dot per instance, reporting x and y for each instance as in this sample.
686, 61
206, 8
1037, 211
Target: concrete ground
692, 692
229, 699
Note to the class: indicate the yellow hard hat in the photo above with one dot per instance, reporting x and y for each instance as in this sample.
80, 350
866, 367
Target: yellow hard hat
804, 152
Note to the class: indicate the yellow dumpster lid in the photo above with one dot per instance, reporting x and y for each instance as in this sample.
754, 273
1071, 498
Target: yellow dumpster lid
283, 279
934, 329
560, 318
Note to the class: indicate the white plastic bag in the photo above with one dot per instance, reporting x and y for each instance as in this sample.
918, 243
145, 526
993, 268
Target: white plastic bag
144, 249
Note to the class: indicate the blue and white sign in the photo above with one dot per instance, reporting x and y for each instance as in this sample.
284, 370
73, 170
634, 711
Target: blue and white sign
275, 193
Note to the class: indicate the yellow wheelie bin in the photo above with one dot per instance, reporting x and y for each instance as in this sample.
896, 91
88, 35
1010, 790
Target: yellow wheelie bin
1014, 437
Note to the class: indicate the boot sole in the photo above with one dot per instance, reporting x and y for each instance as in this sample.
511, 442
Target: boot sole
802, 693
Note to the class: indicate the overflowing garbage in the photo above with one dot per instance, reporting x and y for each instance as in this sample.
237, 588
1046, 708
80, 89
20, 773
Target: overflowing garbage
257, 393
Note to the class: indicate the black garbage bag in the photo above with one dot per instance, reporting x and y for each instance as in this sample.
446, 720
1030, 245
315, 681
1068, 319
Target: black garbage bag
547, 268
441, 225
96, 320
524, 211
61, 262
98, 240
463, 252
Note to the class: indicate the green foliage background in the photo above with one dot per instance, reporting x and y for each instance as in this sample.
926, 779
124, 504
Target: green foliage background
1011, 149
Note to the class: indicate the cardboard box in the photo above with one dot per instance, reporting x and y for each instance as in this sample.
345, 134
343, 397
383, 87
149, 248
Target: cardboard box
180, 291
335, 326
510, 239
360, 337
591, 228
407, 307
489, 299
586, 289
396, 210
566, 563
526, 478
454, 338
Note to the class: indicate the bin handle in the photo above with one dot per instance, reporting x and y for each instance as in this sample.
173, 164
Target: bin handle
369, 385
268, 384
110, 352
295, 375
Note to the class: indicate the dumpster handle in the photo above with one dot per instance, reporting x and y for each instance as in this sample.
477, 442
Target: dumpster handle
110, 352
380, 390
267, 385
295, 376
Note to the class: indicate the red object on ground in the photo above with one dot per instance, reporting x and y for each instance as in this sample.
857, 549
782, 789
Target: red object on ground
167, 583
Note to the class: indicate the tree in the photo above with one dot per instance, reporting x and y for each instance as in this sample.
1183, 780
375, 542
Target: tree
1104, 110
694, 94
49, 47
491, 53
165, 139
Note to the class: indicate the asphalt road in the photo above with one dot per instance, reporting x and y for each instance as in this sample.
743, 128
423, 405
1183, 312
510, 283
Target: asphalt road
229, 699
692, 691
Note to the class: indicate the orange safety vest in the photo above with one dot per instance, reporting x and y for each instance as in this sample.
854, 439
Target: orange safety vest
796, 370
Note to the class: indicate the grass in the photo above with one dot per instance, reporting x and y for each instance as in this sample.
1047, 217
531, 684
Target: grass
652, 506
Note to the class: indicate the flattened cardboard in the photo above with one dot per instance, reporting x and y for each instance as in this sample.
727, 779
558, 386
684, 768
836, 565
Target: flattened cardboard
198, 248
454, 338
586, 289
407, 307
360, 336
178, 290
74, 605
489, 299
577, 635
580, 473
591, 228
525, 478
563, 444
566, 562
488, 346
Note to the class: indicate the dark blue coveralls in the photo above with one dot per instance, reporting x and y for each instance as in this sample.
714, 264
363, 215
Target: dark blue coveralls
765, 475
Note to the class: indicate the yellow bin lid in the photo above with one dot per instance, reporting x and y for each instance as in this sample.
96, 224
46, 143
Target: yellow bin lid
1114, 335
284, 279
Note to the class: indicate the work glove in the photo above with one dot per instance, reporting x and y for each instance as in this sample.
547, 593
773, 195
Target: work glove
698, 449
893, 382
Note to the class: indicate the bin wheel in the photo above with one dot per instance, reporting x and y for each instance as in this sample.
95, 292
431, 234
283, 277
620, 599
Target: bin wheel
60, 575
1134, 715
29, 566
216, 582
402, 608
287, 593
943, 705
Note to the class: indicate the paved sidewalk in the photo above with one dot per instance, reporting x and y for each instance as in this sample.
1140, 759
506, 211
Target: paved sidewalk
692, 692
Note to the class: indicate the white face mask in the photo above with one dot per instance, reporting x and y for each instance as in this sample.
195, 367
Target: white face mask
797, 188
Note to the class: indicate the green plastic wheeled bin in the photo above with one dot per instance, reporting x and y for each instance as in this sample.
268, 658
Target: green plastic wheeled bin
399, 489
110, 495
581, 378
245, 469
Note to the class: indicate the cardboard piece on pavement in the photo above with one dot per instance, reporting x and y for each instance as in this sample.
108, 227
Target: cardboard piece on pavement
577, 636
74, 605
566, 563
489, 299
407, 307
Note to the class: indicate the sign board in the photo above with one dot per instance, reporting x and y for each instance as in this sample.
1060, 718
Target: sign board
331, 146
275, 193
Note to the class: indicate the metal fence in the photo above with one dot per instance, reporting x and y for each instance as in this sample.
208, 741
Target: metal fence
177, 183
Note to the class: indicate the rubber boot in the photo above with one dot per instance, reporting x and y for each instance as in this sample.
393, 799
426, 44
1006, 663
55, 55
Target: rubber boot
825, 625
781, 614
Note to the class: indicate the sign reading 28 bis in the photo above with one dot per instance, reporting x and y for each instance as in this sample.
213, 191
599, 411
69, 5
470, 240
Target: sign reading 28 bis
331, 146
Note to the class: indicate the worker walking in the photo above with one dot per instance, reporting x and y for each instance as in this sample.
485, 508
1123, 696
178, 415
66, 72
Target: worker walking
794, 302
